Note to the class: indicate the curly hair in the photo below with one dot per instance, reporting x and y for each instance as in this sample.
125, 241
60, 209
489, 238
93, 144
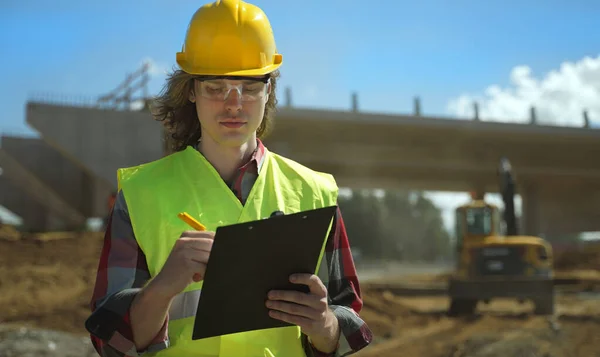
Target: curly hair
179, 116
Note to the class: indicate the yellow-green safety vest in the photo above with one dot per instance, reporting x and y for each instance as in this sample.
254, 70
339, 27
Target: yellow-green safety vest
185, 181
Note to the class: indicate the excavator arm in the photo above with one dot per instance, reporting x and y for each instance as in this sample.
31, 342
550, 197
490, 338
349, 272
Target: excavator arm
508, 190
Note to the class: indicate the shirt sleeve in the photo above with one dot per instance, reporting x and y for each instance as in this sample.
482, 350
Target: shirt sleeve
338, 273
122, 272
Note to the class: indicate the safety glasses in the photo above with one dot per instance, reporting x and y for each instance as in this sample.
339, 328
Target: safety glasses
249, 89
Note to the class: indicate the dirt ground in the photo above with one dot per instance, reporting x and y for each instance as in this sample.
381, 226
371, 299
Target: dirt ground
419, 327
46, 281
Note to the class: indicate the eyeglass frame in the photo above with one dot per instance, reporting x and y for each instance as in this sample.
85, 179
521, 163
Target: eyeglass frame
204, 78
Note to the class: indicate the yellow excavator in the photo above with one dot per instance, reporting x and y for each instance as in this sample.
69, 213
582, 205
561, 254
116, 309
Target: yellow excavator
494, 265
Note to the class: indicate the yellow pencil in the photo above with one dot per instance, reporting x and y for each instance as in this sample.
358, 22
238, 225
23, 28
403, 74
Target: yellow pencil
184, 216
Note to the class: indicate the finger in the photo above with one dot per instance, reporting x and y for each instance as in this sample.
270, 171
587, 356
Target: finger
195, 243
304, 323
294, 309
200, 246
198, 234
197, 256
313, 282
297, 297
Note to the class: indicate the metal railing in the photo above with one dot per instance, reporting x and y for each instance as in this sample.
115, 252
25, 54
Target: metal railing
79, 101
63, 99
134, 104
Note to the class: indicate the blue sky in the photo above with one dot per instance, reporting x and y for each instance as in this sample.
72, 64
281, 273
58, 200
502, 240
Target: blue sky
448, 53
387, 51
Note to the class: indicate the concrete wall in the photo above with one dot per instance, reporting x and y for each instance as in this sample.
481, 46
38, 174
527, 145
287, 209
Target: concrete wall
36, 189
366, 146
99, 141
360, 149
443, 152
68, 180
35, 216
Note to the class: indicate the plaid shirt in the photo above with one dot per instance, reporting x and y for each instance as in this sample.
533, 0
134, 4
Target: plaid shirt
123, 271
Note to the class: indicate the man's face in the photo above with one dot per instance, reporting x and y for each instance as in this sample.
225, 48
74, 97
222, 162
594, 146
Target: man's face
230, 110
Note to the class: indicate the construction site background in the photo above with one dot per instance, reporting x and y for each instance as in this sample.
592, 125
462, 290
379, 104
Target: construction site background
46, 280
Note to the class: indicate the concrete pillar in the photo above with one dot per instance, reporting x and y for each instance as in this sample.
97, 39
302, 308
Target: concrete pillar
569, 209
354, 102
476, 111
530, 219
417, 107
532, 116
288, 97
586, 119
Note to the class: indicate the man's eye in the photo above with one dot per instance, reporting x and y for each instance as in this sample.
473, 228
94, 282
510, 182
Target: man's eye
252, 88
214, 89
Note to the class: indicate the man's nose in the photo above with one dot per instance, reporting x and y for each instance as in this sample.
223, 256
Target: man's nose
233, 101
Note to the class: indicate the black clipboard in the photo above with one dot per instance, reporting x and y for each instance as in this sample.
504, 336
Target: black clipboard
247, 260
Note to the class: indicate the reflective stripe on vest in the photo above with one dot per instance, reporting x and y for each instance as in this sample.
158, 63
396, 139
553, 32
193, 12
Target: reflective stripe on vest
184, 305
186, 181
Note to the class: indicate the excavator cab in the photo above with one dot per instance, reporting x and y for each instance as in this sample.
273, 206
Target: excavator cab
478, 220
475, 221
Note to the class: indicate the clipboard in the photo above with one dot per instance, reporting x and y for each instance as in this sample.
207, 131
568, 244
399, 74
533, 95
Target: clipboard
247, 260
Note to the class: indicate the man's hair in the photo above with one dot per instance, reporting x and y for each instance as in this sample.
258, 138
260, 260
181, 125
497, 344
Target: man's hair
180, 118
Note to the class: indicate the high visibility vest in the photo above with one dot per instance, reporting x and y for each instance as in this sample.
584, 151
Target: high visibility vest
185, 181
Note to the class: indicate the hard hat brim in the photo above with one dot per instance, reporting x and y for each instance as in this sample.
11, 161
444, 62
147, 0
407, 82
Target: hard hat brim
188, 68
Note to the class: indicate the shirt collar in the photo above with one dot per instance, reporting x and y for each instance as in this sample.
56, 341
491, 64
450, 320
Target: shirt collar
259, 154
257, 158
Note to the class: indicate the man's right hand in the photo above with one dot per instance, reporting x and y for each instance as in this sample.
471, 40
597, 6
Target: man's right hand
186, 263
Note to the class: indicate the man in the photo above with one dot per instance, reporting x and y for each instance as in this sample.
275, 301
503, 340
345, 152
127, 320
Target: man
218, 106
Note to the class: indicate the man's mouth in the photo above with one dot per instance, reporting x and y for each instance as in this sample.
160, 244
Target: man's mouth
232, 123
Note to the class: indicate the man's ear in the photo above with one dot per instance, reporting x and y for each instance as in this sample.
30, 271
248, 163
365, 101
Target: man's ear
269, 87
192, 93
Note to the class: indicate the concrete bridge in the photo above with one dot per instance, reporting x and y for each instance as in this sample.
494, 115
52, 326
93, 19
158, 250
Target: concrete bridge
558, 177
557, 168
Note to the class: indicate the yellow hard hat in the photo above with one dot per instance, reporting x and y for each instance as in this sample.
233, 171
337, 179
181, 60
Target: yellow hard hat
229, 37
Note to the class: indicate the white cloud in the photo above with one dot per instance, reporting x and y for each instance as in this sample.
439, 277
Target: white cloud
560, 96
156, 69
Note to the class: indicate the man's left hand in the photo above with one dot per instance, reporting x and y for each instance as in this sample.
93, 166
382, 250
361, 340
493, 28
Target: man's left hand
309, 311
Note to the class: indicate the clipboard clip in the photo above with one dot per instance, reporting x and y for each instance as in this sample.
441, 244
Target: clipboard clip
276, 214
